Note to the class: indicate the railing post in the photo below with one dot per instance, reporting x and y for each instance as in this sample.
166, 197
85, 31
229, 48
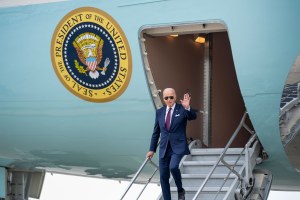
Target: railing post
138, 173
148, 182
135, 177
249, 174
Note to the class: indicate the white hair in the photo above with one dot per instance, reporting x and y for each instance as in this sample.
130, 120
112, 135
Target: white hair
171, 89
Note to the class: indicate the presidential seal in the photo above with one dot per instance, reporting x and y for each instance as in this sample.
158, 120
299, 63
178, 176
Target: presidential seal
91, 55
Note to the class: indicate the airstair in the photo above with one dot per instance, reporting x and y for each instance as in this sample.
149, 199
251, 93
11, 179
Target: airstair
220, 173
204, 177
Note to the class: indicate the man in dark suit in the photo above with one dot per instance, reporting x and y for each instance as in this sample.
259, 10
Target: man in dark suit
170, 126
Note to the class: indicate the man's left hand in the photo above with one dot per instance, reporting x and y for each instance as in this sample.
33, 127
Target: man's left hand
186, 101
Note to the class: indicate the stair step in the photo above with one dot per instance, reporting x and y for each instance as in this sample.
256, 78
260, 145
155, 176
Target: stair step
203, 167
205, 189
210, 182
190, 180
205, 155
208, 193
227, 158
214, 151
210, 163
216, 176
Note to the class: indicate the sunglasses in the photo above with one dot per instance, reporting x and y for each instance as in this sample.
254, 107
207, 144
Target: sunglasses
168, 97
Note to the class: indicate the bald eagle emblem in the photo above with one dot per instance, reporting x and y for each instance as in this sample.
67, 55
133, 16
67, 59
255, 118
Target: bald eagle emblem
89, 50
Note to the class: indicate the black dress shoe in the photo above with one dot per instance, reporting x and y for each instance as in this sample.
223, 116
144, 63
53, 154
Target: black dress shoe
181, 195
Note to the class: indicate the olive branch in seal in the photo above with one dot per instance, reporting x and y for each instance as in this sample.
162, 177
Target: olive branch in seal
80, 68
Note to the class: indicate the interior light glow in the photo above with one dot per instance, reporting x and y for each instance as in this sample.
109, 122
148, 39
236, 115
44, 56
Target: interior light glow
200, 40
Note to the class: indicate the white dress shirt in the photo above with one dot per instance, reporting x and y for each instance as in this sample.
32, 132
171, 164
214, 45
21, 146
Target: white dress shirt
167, 109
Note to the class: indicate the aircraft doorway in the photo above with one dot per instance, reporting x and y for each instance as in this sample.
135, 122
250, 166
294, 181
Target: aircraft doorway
205, 69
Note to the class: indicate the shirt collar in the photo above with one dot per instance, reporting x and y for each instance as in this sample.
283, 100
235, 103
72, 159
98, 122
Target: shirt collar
173, 107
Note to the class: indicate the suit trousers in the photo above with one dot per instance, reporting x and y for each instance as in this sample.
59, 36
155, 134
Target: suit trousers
170, 162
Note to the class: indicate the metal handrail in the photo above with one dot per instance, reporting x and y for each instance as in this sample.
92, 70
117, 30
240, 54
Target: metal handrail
241, 124
146, 161
232, 170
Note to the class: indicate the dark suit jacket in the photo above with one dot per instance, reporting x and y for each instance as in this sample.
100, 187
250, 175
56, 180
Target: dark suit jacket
177, 133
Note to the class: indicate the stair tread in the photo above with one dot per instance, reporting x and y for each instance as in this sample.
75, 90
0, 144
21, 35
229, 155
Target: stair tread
195, 176
201, 163
202, 154
205, 189
208, 151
